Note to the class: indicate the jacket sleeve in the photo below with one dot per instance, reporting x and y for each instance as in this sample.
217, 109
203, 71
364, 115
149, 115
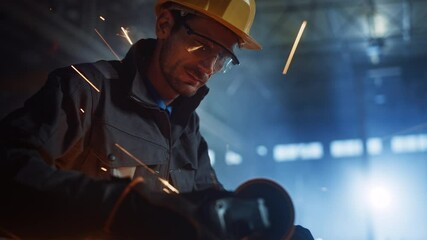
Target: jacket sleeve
37, 198
205, 175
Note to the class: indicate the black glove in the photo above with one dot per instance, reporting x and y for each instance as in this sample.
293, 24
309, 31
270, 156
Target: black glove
206, 215
143, 214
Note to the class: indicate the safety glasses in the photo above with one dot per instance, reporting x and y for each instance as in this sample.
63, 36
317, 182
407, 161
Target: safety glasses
203, 47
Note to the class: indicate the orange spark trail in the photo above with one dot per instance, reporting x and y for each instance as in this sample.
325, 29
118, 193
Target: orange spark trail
106, 43
87, 80
294, 47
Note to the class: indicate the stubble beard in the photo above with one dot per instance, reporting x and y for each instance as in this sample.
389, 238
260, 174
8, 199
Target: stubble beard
169, 72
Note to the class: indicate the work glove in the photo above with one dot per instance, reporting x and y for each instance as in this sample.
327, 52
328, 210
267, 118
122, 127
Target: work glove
143, 214
211, 214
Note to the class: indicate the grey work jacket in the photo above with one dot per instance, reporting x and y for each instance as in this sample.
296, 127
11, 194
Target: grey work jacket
105, 123
61, 153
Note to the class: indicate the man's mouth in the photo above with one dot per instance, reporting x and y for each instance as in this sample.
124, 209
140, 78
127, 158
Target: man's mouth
196, 78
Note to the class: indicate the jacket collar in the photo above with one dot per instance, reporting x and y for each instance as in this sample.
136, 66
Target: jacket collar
136, 63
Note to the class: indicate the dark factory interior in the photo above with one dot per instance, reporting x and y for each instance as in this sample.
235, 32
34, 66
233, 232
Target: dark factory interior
344, 130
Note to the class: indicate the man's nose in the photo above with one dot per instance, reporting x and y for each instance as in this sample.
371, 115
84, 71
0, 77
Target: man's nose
208, 65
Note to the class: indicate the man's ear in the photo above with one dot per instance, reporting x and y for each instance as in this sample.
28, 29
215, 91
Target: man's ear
164, 24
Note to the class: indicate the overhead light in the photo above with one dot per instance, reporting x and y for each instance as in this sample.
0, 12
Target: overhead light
374, 49
380, 198
262, 150
233, 158
380, 26
346, 148
211, 154
298, 151
374, 146
409, 143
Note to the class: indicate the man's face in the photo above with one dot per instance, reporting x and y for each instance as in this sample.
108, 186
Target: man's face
187, 60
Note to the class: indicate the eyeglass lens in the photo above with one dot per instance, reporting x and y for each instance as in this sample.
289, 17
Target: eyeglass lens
205, 48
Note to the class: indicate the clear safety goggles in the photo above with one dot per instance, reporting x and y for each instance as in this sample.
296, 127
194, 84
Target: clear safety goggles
203, 47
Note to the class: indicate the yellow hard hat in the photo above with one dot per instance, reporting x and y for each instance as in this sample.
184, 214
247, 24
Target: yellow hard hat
236, 15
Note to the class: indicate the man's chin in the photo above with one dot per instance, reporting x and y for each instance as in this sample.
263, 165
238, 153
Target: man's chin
188, 93
186, 90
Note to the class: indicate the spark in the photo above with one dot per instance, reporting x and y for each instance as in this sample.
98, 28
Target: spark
168, 185
125, 32
163, 181
135, 158
103, 169
87, 80
191, 49
81, 110
106, 43
294, 47
102, 18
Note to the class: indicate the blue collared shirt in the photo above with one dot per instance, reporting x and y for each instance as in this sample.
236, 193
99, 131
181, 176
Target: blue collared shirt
157, 98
